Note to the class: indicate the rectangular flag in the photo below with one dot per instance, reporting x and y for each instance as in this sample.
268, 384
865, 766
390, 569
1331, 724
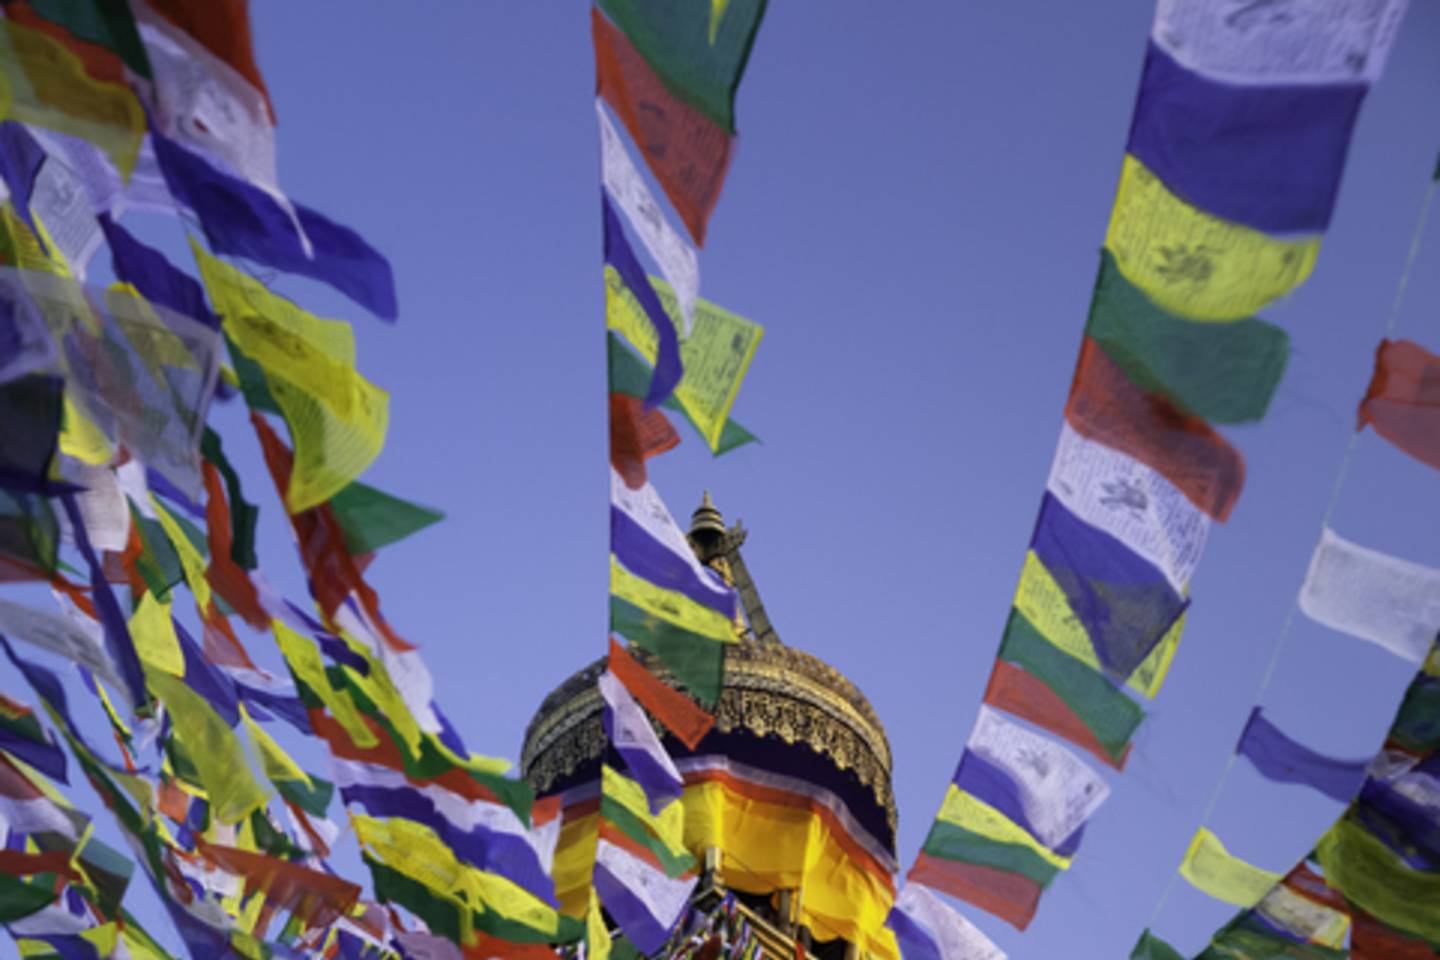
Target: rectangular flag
930, 929
1126, 499
677, 712
1402, 402
698, 49
1388, 601
688, 152
1107, 408
1125, 603
634, 739
1309, 43
1215, 871
1268, 157
1280, 758
1221, 372
636, 435
1032, 780
1194, 263
623, 182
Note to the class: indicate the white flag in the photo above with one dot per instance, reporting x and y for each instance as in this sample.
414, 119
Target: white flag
677, 259
951, 935
1137, 506
1058, 791
1280, 41
1373, 596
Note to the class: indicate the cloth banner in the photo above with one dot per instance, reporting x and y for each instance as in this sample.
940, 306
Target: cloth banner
1403, 400
1373, 596
1280, 758
1215, 871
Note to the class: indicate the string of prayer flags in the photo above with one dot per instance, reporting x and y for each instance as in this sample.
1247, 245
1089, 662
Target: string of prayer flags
1278, 757
629, 731
688, 152
643, 876
1388, 601
1215, 871
927, 928
1402, 403
102, 35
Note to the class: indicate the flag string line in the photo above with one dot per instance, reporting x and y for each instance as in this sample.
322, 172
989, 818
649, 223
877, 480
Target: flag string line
1278, 648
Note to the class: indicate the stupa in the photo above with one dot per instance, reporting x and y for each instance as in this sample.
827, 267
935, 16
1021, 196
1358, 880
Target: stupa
789, 806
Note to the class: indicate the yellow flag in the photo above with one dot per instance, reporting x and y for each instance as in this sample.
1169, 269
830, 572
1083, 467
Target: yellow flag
1043, 603
45, 85
670, 606
277, 764
337, 418
304, 660
597, 936
977, 816
154, 634
1213, 870
1194, 264
217, 754
192, 563
716, 355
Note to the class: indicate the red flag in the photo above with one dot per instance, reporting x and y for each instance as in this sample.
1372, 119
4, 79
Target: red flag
1403, 402
687, 151
1009, 896
679, 714
1106, 407
636, 435
317, 899
1372, 940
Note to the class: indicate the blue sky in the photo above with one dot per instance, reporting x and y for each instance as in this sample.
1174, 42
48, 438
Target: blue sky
914, 213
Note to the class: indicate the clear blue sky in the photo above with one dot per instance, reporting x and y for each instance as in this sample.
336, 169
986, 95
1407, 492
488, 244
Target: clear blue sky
914, 213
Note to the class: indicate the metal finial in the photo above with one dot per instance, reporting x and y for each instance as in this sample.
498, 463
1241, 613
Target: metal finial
706, 519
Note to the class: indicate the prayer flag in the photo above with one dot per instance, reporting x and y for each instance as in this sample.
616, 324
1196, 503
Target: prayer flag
1403, 400
648, 542
1373, 596
1123, 497
1193, 263
29, 537
930, 929
372, 519
630, 376
20, 161
26, 808
1221, 372
1012, 897
1376, 879
1046, 685
636, 435
687, 151
1268, 156
631, 275
1215, 871
153, 276
218, 756
1308, 44
47, 86
698, 51
626, 187
1372, 940
1125, 603
715, 353
337, 418
1280, 758
1107, 408
679, 714
243, 220
206, 104
22, 737
1289, 910
630, 733
222, 27
1035, 782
